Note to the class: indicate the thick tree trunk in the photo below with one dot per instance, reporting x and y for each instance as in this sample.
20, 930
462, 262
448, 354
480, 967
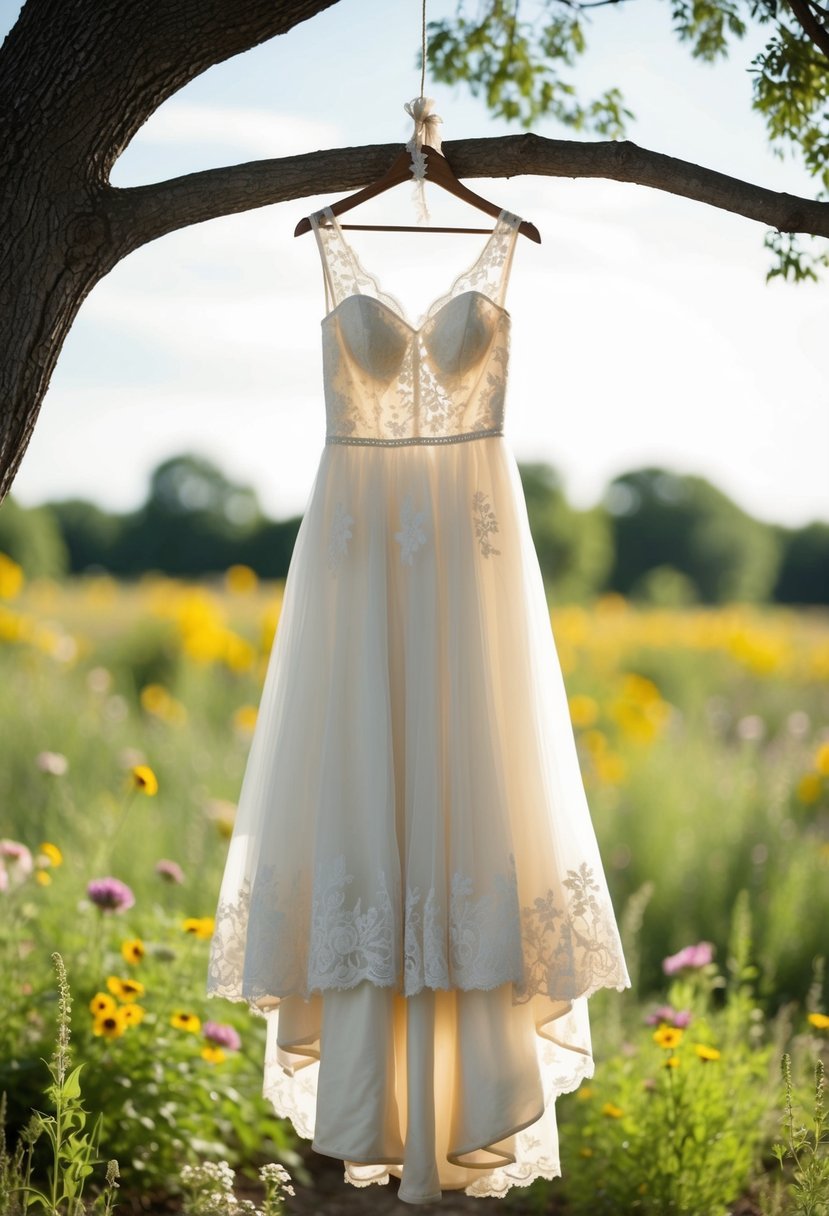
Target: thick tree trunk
78, 80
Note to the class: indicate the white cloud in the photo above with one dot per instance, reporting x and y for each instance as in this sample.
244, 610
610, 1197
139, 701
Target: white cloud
259, 132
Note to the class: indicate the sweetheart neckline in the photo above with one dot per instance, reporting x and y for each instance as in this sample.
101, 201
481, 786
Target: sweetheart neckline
430, 316
399, 311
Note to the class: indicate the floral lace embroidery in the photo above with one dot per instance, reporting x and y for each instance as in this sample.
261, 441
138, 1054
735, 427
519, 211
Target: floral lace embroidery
484, 523
411, 536
573, 947
350, 945
339, 536
559, 951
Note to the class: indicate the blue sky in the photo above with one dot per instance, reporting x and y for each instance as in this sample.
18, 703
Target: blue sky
643, 330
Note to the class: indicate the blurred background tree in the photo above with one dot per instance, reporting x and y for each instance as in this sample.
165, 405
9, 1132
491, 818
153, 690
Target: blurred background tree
655, 535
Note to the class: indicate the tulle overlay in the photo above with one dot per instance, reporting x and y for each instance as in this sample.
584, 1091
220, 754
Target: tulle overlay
413, 872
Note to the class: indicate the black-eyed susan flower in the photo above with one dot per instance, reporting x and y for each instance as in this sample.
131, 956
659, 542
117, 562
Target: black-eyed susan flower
705, 1052
110, 1024
42, 878
101, 1003
186, 1021
199, 926
125, 990
672, 1062
612, 1111
144, 779
213, 1055
668, 1036
819, 1020
133, 1014
133, 950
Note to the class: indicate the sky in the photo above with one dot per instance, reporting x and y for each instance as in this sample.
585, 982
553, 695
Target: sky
643, 331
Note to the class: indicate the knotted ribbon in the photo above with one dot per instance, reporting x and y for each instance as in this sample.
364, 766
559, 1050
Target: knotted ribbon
425, 132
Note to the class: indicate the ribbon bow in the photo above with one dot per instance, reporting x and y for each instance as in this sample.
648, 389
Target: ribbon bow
425, 132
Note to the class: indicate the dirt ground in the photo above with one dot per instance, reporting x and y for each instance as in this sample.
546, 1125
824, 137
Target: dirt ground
330, 1195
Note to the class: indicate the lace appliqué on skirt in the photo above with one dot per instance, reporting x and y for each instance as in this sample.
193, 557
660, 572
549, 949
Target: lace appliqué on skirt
562, 950
411, 535
485, 522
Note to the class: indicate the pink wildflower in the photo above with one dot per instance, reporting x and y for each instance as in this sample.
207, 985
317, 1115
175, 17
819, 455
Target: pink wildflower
689, 956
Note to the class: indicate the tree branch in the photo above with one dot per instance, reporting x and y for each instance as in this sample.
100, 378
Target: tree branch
141, 213
811, 26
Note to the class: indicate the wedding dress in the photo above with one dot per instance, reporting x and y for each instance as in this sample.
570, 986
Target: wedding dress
413, 895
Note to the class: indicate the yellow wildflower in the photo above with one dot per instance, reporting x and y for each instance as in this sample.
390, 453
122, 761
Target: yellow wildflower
240, 579
144, 779
584, 1093
133, 1014
110, 1024
822, 759
612, 1111
155, 699
668, 1036
214, 1055
42, 878
705, 1052
186, 1021
672, 1062
11, 577
133, 949
809, 788
50, 853
244, 718
819, 1020
585, 1151
595, 740
583, 710
610, 767
199, 926
125, 990
101, 1003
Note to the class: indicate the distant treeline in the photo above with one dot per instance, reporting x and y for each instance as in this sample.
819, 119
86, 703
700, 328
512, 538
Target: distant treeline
656, 535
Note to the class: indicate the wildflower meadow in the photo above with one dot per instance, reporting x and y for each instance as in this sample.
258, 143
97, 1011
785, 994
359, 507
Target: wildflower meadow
127, 713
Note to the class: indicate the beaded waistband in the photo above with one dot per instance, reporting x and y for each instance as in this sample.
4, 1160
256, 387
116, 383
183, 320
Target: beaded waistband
415, 439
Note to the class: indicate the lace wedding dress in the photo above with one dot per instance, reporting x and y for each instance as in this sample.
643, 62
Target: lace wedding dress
413, 895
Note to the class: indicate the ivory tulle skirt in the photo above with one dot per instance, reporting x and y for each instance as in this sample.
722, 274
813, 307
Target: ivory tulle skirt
413, 895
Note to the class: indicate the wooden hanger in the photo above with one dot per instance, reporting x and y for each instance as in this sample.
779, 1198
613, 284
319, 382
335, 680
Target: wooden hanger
439, 171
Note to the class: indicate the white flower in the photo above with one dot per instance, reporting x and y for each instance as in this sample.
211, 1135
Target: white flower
411, 535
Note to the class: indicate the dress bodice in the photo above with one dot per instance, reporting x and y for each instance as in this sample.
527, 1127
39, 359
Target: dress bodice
391, 382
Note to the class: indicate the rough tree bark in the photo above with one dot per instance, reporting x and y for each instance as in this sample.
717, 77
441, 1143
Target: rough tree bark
77, 81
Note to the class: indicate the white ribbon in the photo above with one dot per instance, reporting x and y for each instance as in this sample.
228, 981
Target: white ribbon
425, 132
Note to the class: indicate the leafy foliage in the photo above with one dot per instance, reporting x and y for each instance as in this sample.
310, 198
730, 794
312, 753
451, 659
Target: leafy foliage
516, 65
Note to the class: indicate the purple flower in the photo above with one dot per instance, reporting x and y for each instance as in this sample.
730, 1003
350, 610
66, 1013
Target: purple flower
667, 1013
169, 870
110, 894
689, 956
222, 1035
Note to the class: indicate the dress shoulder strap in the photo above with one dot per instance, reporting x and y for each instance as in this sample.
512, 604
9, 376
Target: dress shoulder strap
490, 271
344, 273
